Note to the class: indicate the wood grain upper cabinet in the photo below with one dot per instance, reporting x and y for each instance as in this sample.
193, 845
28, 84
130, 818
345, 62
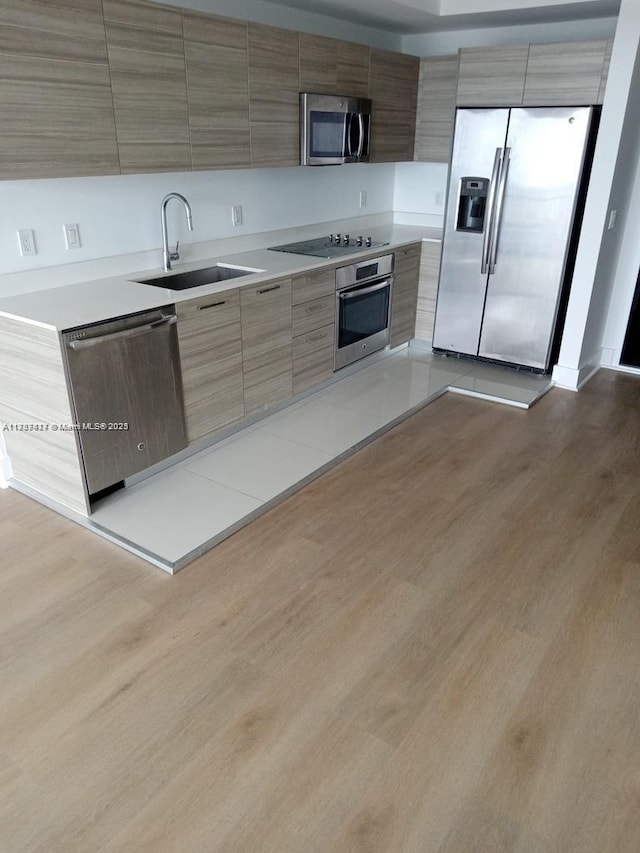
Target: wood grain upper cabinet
492, 76
333, 67
211, 360
393, 88
146, 60
436, 108
567, 73
406, 272
266, 344
55, 94
215, 51
274, 96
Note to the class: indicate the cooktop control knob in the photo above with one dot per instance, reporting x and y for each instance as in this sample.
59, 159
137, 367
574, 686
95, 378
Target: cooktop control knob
368, 241
338, 239
359, 241
331, 238
346, 239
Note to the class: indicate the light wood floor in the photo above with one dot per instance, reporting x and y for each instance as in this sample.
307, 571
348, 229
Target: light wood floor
435, 648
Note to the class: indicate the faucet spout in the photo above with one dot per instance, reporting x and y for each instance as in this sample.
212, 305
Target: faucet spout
167, 255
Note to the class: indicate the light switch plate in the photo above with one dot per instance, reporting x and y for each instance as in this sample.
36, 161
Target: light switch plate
236, 214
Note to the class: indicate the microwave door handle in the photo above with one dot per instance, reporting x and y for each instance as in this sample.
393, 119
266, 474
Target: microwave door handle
347, 135
489, 213
361, 135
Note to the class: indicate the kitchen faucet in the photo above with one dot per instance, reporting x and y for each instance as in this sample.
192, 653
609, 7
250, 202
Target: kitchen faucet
167, 254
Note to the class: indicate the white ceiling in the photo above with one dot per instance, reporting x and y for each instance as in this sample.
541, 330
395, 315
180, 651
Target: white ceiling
420, 16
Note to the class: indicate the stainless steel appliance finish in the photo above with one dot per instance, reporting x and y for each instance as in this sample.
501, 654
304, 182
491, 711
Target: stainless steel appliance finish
334, 129
333, 246
363, 307
514, 181
126, 390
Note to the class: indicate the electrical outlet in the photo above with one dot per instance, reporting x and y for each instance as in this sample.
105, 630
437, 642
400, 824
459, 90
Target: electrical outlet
236, 214
27, 243
72, 235
613, 215
438, 199
363, 198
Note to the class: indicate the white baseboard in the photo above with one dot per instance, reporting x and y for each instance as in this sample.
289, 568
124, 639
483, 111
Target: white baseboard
623, 368
573, 378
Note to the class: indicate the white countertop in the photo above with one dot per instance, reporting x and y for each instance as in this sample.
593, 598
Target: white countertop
102, 298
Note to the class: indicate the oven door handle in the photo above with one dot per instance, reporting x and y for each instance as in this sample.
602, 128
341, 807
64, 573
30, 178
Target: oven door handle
352, 292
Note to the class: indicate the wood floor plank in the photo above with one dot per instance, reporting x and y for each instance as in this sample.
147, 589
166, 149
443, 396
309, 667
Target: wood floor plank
432, 648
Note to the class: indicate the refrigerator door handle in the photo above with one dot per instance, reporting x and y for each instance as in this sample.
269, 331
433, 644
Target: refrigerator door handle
497, 218
488, 226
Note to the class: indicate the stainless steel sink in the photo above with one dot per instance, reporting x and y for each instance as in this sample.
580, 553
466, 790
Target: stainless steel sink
195, 278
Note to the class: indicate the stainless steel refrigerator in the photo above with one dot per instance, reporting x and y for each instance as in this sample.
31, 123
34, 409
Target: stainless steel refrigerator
514, 187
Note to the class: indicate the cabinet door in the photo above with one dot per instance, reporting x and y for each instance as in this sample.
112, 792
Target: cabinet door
266, 344
313, 358
568, 73
211, 358
405, 294
333, 67
436, 108
428, 289
492, 76
55, 93
148, 80
215, 52
393, 90
314, 314
273, 96
313, 284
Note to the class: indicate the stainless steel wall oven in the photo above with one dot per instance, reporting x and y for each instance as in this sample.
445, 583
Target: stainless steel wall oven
363, 307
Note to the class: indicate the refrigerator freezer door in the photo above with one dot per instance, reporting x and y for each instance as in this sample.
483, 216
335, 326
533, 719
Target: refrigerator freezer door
479, 134
547, 153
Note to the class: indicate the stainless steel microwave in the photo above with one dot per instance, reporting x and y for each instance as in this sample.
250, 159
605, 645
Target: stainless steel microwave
334, 129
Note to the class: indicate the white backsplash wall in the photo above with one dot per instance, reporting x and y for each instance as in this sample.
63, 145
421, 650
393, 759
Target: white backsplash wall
121, 214
420, 193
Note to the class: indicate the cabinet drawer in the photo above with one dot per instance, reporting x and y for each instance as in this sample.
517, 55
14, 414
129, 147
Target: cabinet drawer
312, 285
313, 315
312, 358
213, 311
407, 258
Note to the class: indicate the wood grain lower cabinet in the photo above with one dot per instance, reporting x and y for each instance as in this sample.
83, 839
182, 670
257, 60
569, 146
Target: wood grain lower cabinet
267, 362
566, 73
436, 108
314, 300
274, 96
492, 76
428, 289
215, 51
210, 341
55, 91
404, 299
33, 390
149, 86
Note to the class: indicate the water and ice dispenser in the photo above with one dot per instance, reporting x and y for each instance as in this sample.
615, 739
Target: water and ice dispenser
472, 204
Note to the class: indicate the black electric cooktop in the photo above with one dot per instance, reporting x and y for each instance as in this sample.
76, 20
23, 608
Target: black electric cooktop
334, 246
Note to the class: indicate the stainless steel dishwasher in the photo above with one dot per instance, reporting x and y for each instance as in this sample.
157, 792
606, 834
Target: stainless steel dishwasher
126, 390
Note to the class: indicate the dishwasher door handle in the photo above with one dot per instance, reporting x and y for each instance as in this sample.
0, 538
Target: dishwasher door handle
86, 343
